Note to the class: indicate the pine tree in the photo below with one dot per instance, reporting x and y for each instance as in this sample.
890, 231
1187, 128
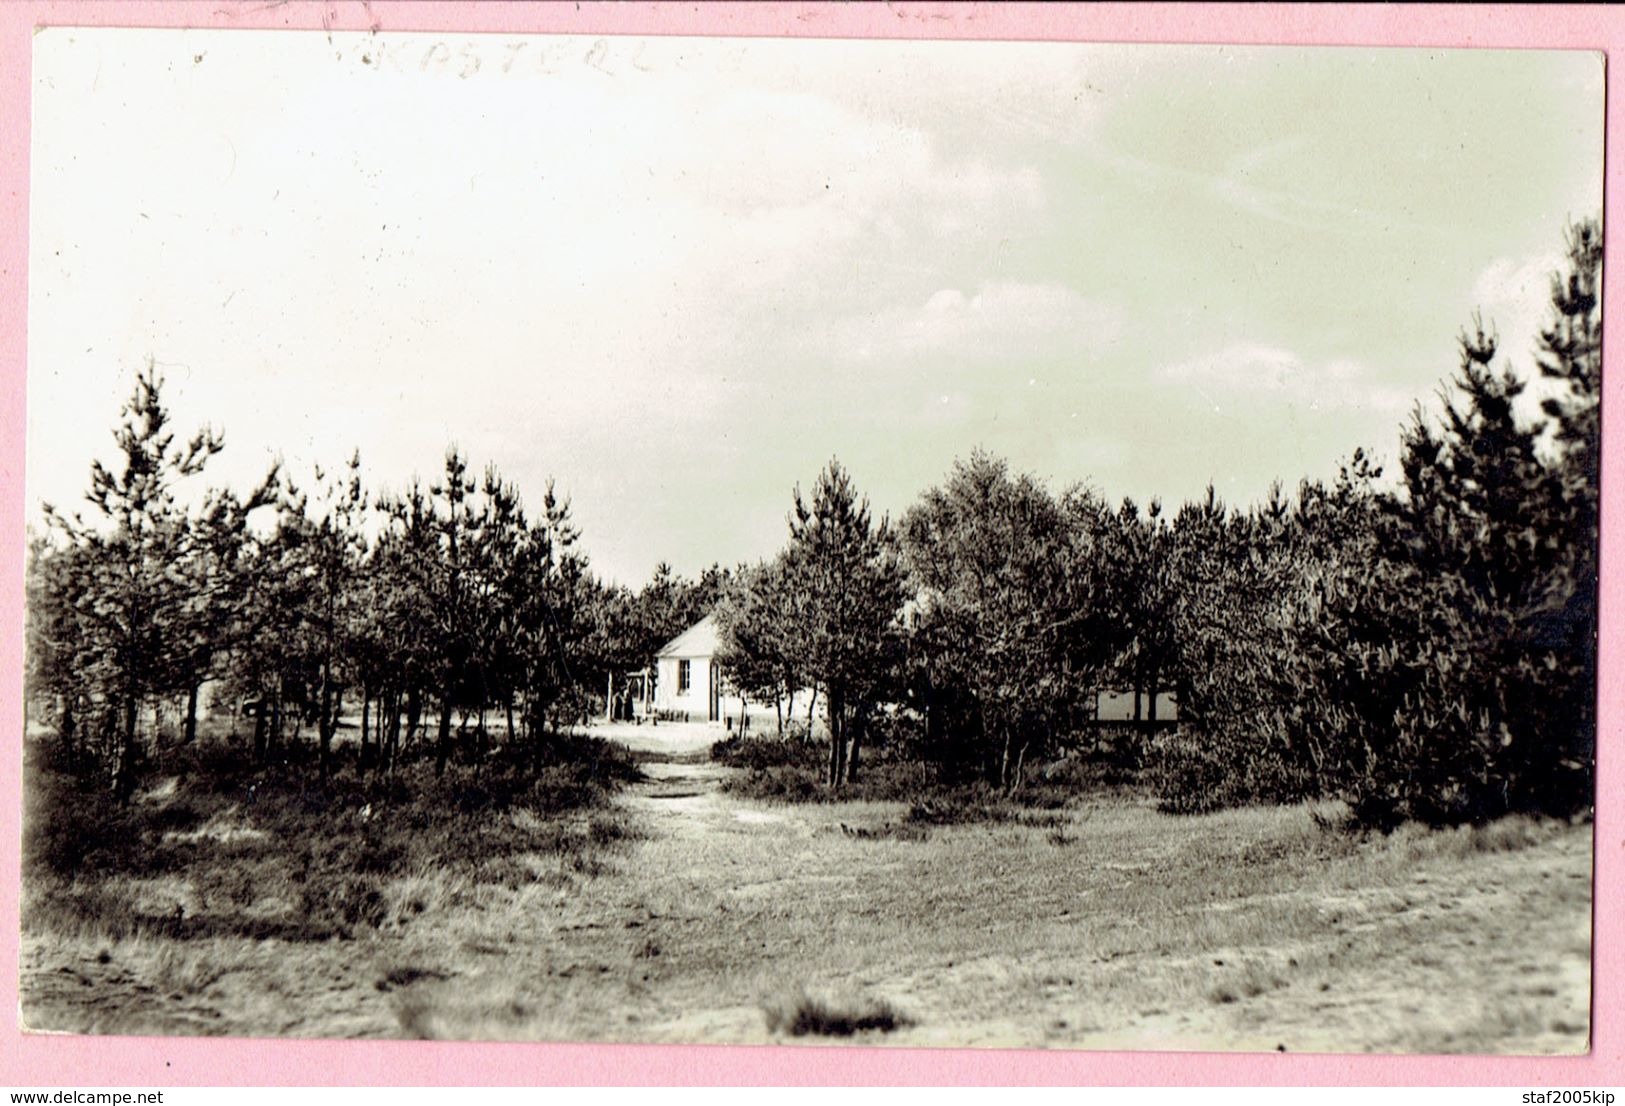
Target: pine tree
129, 586
756, 620
1481, 635
841, 564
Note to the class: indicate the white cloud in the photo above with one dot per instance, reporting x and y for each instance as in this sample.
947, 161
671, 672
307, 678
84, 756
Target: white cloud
1009, 320
677, 272
1247, 374
389, 241
1513, 296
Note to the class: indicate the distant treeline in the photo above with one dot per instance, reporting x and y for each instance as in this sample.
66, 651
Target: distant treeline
431, 612
1425, 650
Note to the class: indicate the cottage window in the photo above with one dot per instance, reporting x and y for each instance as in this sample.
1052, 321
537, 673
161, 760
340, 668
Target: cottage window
684, 679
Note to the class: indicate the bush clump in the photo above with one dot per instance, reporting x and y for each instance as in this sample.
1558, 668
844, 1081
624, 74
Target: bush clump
802, 1015
224, 846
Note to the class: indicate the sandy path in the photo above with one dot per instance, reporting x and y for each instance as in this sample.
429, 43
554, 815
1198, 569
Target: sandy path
681, 797
677, 740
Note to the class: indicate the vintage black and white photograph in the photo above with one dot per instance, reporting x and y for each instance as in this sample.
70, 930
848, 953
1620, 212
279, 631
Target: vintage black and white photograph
745, 540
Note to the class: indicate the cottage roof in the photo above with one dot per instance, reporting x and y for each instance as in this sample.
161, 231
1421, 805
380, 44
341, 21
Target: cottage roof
699, 640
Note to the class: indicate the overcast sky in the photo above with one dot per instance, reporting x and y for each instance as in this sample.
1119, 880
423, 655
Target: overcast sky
678, 275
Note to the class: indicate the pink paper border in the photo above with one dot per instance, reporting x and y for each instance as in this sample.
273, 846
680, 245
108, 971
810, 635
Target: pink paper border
29, 1060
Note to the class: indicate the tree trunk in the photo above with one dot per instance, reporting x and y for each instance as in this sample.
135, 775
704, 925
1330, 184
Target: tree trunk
837, 738
1021, 760
609, 699
65, 727
366, 716
834, 758
840, 749
1136, 700
191, 714
857, 742
124, 773
442, 748
261, 737
392, 750
324, 724
812, 705
533, 732
388, 720
275, 737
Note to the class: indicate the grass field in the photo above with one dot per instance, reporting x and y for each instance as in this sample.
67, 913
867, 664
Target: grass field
683, 913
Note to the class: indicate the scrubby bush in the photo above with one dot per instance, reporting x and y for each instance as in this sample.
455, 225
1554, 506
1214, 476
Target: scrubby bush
1192, 773
342, 904
273, 850
782, 783
783, 770
760, 754
800, 1015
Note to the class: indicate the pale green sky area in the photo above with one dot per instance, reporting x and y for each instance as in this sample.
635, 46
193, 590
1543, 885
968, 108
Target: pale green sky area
678, 275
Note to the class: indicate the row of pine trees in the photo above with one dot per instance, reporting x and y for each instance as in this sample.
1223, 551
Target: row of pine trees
1421, 646
443, 615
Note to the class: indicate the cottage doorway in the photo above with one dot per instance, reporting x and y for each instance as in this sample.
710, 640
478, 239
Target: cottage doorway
715, 688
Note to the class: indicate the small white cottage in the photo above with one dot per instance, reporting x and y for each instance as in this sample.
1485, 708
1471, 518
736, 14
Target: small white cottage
688, 680
690, 685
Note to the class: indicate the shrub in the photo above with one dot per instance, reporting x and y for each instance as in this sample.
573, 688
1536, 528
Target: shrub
73, 828
275, 850
979, 804
782, 783
1192, 772
802, 1015
760, 754
342, 903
